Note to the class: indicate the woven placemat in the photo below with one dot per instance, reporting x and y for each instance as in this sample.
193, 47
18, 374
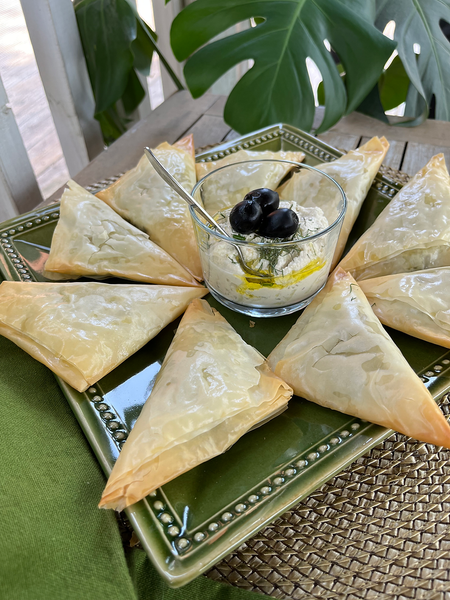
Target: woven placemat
379, 530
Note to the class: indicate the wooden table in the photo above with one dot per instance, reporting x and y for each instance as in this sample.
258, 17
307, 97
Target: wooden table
410, 148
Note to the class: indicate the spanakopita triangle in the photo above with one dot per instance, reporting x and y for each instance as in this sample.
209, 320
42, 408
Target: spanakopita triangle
145, 200
82, 331
229, 186
412, 232
212, 388
355, 172
416, 303
92, 240
338, 355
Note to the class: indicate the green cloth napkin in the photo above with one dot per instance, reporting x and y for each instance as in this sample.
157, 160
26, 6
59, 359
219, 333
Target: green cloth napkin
55, 544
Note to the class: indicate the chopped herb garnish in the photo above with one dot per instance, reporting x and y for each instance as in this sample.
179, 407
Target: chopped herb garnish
239, 237
272, 255
351, 292
310, 232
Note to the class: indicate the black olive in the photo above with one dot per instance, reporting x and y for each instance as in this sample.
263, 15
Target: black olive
281, 223
246, 216
267, 199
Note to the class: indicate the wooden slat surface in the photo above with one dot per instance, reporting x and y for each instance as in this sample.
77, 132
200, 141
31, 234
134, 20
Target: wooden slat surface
431, 132
232, 135
217, 108
338, 140
417, 156
394, 156
169, 122
180, 114
209, 129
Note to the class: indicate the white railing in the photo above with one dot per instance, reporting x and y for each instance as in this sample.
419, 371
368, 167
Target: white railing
57, 47
53, 32
19, 190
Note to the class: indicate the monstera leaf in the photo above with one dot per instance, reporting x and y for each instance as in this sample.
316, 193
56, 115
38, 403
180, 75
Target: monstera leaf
277, 87
419, 22
390, 91
117, 43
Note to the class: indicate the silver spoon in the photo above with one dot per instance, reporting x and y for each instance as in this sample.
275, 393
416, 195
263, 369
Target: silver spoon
173, 183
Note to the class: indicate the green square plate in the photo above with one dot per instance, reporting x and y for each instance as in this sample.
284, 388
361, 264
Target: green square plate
192, 522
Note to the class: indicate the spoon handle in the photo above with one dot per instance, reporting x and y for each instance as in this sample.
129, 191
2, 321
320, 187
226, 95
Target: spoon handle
173, 183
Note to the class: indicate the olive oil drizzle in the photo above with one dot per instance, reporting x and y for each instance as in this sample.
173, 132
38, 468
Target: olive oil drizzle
282, 281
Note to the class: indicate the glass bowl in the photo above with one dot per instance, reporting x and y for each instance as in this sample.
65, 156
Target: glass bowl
297, 269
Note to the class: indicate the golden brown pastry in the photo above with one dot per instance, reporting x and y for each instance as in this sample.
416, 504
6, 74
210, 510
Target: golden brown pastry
416, 303
338, 355
142, 198
92, 240
231, 185
82, 331
355, 172
212, 388
412, 232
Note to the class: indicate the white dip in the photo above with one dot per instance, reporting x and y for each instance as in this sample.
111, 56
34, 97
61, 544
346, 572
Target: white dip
298, 269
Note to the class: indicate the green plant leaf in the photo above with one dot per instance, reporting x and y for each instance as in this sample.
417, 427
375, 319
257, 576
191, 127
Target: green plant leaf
371, 105
107, 29
146, 42
116, 43
133, 94
393, 85
112, 125
390, 91
277, 87
417, 22
143, 47
321, 90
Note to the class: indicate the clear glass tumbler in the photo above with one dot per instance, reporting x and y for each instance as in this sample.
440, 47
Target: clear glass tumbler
296, 270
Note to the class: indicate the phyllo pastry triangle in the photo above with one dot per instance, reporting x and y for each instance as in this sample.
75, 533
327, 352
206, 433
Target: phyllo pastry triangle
212, 388
82, 331
355, 172
412, 232
416, 303
338, 355
145, 200
229, 187
92, 240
